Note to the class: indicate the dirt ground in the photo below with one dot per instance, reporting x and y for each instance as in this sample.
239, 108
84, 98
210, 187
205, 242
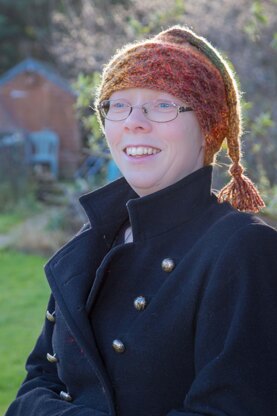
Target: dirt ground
40, 234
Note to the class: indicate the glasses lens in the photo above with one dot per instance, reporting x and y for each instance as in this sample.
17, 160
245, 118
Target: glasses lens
114, 110
161, 111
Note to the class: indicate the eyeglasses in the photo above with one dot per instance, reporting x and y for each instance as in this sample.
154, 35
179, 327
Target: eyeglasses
159, 111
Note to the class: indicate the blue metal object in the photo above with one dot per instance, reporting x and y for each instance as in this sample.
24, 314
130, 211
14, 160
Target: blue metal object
90, 167
43, 149
93, 164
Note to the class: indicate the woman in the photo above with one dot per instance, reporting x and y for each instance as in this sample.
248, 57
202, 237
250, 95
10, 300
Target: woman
165, 304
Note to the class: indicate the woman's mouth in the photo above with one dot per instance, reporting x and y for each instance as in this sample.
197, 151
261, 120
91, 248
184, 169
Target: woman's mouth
136, 151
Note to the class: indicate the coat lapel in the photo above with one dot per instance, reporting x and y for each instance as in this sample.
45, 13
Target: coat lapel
70, 274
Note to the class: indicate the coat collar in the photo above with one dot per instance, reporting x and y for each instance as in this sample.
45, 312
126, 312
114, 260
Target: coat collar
110, 206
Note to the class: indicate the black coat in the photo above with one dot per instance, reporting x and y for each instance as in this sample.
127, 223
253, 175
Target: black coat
200, 340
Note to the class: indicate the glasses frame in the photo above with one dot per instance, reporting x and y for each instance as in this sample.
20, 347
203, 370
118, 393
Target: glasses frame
179, 108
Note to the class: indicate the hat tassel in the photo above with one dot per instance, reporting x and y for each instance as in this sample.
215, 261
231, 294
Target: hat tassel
240, 192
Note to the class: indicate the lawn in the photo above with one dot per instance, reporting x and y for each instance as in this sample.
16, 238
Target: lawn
24, 209
23, 298
8, 221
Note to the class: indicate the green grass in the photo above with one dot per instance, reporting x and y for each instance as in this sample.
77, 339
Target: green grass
25, 208
23, 298
8, 221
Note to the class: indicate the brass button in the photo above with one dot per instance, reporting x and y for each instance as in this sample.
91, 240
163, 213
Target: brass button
168, 265
51, 358
65, 396
140, 303
51, 316
118, 346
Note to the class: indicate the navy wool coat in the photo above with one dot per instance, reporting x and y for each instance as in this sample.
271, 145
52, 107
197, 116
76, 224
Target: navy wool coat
181, 322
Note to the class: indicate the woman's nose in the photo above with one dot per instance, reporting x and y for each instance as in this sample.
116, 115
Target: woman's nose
137, 121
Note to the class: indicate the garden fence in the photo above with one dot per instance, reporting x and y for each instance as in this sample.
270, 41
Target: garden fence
13, 169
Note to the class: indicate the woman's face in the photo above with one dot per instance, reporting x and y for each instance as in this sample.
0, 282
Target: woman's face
151, 155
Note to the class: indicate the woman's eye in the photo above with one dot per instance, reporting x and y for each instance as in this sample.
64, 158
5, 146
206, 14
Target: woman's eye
163, 106
118, 105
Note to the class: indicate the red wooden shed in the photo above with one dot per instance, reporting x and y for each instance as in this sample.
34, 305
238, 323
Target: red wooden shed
36, 97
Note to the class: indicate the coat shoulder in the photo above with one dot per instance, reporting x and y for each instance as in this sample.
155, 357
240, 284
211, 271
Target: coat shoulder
230, 223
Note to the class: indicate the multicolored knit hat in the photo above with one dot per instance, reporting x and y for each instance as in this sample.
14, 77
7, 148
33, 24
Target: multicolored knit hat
187, 66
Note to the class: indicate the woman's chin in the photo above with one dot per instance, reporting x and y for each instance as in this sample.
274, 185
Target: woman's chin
143, 186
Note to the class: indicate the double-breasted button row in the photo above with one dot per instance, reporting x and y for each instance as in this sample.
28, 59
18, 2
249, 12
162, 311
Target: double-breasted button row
65, 396
51, 357
140, 304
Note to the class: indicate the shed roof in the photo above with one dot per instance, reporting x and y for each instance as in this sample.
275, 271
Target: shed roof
41, 68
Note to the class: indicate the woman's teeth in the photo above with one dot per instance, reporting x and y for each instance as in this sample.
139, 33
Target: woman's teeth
139, 151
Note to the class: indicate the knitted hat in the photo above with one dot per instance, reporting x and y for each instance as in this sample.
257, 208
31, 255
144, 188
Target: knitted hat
187, 66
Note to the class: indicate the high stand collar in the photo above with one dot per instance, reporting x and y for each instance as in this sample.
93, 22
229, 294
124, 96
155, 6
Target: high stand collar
109, 207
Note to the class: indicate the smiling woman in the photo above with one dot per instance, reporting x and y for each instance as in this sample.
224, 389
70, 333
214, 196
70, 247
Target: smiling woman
165, 303
153, 148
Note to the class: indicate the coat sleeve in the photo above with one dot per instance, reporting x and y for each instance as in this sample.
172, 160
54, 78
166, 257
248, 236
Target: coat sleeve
39, 393
236, 331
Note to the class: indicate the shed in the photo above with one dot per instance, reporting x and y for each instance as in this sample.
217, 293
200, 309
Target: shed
7, 124
36, 98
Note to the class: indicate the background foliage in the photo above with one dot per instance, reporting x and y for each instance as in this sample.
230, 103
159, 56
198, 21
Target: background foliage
79, 36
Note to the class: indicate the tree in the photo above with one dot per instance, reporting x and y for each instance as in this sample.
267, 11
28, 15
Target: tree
25, 28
